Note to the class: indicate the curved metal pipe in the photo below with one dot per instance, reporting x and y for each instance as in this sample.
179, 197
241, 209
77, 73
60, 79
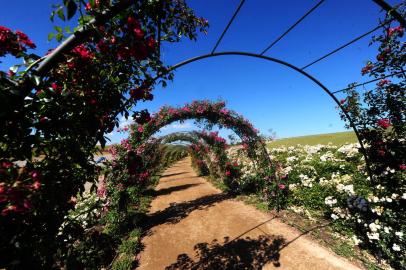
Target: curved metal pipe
275, 60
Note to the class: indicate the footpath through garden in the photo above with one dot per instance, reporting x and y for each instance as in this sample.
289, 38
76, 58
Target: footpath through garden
193, 225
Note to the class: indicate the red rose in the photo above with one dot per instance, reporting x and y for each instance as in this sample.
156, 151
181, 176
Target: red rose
133, 22
138, 33
380, 57
383, 82
36, 185
88, 7
395, 30
57, 88
151, 44
281, 186
10, 73
83, 52
139, 52
6, 164
366, 69
384, 123
102, 46
35, 175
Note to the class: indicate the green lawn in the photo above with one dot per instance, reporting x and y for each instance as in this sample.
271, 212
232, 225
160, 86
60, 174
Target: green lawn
338, 138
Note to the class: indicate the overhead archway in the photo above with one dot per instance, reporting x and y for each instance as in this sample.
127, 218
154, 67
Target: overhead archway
295, 68
209, 113
213, 148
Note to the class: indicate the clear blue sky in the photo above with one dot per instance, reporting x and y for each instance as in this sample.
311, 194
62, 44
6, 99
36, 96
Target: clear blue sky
268, 94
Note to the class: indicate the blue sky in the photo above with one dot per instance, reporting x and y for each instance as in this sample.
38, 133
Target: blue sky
269, 95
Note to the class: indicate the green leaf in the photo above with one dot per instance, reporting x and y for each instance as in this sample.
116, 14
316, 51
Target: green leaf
59, 37
52, 16
67, 29
60, 13
50, 36
58, 29
71, 8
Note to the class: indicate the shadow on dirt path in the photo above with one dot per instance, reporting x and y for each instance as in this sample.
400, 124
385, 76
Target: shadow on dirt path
193, 225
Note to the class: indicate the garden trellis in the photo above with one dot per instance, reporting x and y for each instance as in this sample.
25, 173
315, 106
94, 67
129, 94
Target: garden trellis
46, 63
211, 113
64, 103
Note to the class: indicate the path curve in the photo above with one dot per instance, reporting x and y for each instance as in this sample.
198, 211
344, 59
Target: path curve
193, 225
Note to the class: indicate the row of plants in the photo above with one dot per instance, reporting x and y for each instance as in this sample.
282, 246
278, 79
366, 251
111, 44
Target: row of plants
105, 227
53, 117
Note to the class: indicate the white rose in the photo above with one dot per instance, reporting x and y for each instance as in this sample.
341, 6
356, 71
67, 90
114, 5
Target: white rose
396, 247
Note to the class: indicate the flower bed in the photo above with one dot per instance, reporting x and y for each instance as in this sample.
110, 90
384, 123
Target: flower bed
330, 182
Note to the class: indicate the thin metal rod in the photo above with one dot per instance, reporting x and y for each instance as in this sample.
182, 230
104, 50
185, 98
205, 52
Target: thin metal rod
343, 46
392, 11
367, 82
293, 26
228, 25
275, 60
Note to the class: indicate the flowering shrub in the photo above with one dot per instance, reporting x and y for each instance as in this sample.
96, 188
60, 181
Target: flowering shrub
199, 153
14, 43
379, 114
332, 181
49, 125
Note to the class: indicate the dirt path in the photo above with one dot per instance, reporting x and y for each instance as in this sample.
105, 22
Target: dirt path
193, 225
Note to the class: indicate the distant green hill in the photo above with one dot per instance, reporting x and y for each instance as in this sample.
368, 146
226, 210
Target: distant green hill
338, 138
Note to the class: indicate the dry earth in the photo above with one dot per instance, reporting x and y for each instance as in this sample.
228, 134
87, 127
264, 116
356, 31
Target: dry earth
192, 225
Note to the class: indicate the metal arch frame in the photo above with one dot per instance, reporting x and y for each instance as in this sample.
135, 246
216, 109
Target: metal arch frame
48, 62
291, 66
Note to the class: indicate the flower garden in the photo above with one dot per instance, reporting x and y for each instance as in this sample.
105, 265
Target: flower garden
57, 108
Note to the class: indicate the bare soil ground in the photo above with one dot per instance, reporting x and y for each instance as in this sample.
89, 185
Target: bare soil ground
193, 225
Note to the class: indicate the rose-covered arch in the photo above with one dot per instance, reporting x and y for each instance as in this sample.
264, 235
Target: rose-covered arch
199, 151
209, 157
210, 114
209, 144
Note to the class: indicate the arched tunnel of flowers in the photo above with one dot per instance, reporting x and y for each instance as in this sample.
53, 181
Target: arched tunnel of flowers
62, 210
210, 157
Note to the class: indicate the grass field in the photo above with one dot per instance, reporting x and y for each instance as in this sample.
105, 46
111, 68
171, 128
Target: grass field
338, 138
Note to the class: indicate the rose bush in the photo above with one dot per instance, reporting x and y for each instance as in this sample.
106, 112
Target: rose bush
380, 115
50, 125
